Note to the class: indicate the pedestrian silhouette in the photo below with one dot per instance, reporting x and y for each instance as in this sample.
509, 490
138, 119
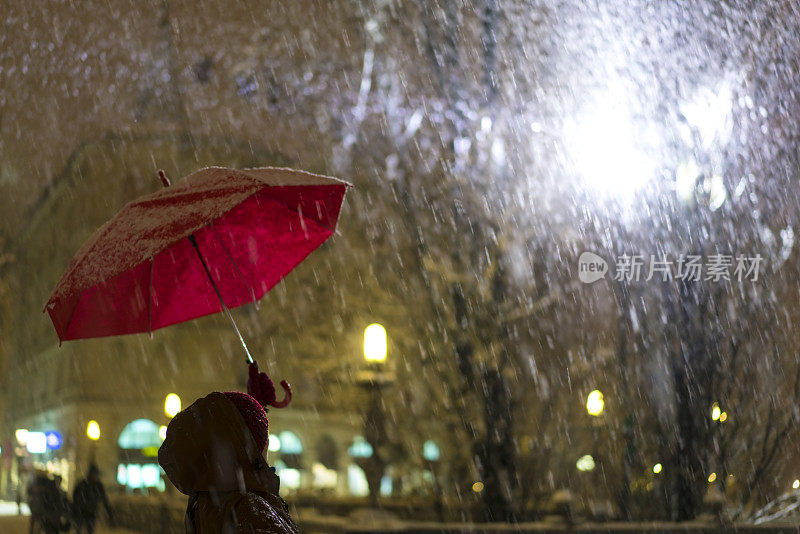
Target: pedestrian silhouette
48, 503
89, 493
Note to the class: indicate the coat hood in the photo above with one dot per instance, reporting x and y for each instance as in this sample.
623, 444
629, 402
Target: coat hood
210, 448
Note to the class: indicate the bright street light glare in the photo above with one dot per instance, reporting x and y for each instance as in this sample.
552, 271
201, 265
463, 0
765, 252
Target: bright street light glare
93, 430
607, 149
595, 403
375, 343
585, 463
172, 405
657, 468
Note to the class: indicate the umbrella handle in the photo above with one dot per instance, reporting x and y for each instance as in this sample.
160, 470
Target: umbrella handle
287, 398
260, 387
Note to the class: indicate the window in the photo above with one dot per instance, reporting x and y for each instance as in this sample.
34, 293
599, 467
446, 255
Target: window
290, 443
140, 434
360, 448
430, 451
138, 443
357, 481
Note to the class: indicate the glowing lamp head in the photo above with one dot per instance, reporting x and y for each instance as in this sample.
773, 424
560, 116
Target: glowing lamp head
22, 436
93, 430
585, 463
172, 405
657, 469
595, 403
375, 343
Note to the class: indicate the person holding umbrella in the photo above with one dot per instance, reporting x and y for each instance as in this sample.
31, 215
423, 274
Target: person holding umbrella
218, 239
215, 452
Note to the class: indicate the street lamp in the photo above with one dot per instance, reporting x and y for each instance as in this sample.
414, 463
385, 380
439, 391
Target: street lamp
93, 433
22, 436
375, 346
657, 468
93, 430
373, 379
595, 403
172, 405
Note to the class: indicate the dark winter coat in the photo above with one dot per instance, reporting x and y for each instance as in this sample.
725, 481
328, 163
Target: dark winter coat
210, 455
48, 503
86, 498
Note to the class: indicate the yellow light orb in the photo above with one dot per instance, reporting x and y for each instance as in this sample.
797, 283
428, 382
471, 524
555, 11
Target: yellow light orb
375, 343
715, 412
585, 463
477, 487
93, 430
723, 417
172, 405
712, 477
796, 484
657, 468
162, 432
595, 403
22, 436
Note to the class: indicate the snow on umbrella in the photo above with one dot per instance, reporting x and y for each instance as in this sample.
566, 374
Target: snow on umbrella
217, 239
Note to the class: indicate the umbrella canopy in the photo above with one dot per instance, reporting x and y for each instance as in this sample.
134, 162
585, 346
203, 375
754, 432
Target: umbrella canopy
141, 271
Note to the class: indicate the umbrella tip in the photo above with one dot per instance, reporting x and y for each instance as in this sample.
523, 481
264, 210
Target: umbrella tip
163, 176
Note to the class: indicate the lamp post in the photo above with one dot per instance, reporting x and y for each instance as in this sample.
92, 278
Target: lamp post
93, 433
21, 436
373, 378
595, 405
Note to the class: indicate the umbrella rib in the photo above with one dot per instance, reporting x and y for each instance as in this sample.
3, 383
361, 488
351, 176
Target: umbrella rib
193, 241
235, 265
69, 321
150, 299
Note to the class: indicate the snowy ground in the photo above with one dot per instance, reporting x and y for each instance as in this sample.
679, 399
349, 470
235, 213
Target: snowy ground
12, 523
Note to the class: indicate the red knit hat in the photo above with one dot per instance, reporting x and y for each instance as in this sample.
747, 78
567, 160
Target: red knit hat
253, 406
255, 417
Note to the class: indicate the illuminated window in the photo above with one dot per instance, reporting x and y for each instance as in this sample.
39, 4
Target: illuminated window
150, 475
357, 481
324, 477
122, 475
430, 451
360, 448
134, 476
140, 434
386, 485
139, 442
290, 478
274, 443
290, 443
